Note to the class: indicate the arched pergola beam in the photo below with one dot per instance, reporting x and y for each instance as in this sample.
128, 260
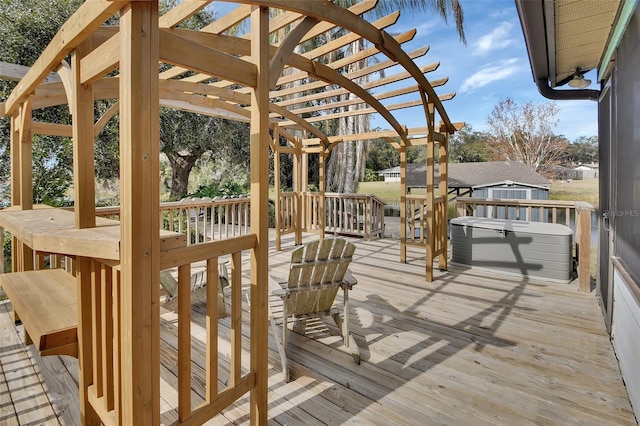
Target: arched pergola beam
104, 119
88, 17
53, 94
287, 18
379, 96
335, 92
328, 11
242, 12
230, 95
346, 39
314, 68
350, 59
364, 111
276, 65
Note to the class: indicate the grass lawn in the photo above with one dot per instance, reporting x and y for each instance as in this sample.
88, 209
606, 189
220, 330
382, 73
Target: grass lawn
577, 190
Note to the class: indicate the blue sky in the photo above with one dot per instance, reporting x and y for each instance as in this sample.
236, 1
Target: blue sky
492, 66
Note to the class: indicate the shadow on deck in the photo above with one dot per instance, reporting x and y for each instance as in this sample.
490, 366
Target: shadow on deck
468, 348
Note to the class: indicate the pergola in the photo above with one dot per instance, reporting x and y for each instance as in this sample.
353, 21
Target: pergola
207, 71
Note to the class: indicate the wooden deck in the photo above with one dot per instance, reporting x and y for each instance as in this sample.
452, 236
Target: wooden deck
471, 348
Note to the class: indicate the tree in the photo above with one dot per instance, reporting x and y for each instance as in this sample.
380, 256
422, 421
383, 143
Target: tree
468, 146
186, 136
26, 26
583, 150
346, 165
525, 133
382, 155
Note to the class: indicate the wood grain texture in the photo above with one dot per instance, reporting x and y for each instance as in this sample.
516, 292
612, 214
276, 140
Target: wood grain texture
46, 304
468, 348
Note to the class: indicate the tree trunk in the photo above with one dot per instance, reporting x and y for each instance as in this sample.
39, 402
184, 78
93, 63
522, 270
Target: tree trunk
181, 166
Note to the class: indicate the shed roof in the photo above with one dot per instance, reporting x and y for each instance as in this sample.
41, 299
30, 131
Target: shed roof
468, 175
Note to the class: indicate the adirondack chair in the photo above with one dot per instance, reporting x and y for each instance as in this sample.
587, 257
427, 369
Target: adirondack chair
198, 281
317, 271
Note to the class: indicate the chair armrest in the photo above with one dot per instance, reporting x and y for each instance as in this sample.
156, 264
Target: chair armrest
349, 280
276, 288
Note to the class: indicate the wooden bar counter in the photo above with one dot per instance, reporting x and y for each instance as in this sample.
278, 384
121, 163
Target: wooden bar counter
51, 230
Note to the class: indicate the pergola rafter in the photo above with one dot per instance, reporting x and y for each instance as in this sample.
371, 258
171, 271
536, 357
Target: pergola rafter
277, 88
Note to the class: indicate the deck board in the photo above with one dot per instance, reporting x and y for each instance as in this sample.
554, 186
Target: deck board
469, 348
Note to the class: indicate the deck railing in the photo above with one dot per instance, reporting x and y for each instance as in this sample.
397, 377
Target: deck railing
349, 214
201, 219
416, 227
575, 214
359, 215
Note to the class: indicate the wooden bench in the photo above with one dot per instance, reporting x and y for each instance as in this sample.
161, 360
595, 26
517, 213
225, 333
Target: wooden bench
46, 303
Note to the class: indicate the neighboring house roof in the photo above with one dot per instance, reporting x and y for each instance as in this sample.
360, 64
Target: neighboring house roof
468, 175
395, 169
510, 183
587, 167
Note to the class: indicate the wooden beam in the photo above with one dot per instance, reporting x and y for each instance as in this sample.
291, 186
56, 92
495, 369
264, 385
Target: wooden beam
180, 12
280, 21
364, 111
104, 119
184, 52
139, 210
51, 129
336, 92
89, 16
359, 56
337, 15
285, 49
101, 60
15, 72
350, 37
168, 86
259, 213
368, 136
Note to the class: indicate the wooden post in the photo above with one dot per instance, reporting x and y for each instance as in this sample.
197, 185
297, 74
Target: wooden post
15, 160
429, 108
443, 191
25, 156
403, 203
139, 211
583, 243
21, 180
83, 148
81, 105
322, 214
278, 189
297, 187
259, 213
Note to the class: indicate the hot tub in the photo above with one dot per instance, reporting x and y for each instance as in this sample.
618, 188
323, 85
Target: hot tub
528, 249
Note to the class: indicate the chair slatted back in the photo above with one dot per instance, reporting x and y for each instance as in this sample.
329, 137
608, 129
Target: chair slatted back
316, 272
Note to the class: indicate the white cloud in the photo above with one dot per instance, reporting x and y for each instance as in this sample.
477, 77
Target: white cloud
497, 39
490, 73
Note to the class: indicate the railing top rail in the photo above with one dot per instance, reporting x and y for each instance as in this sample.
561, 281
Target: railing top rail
205, 200
195, 202
353, 195
525, 203
584, 206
